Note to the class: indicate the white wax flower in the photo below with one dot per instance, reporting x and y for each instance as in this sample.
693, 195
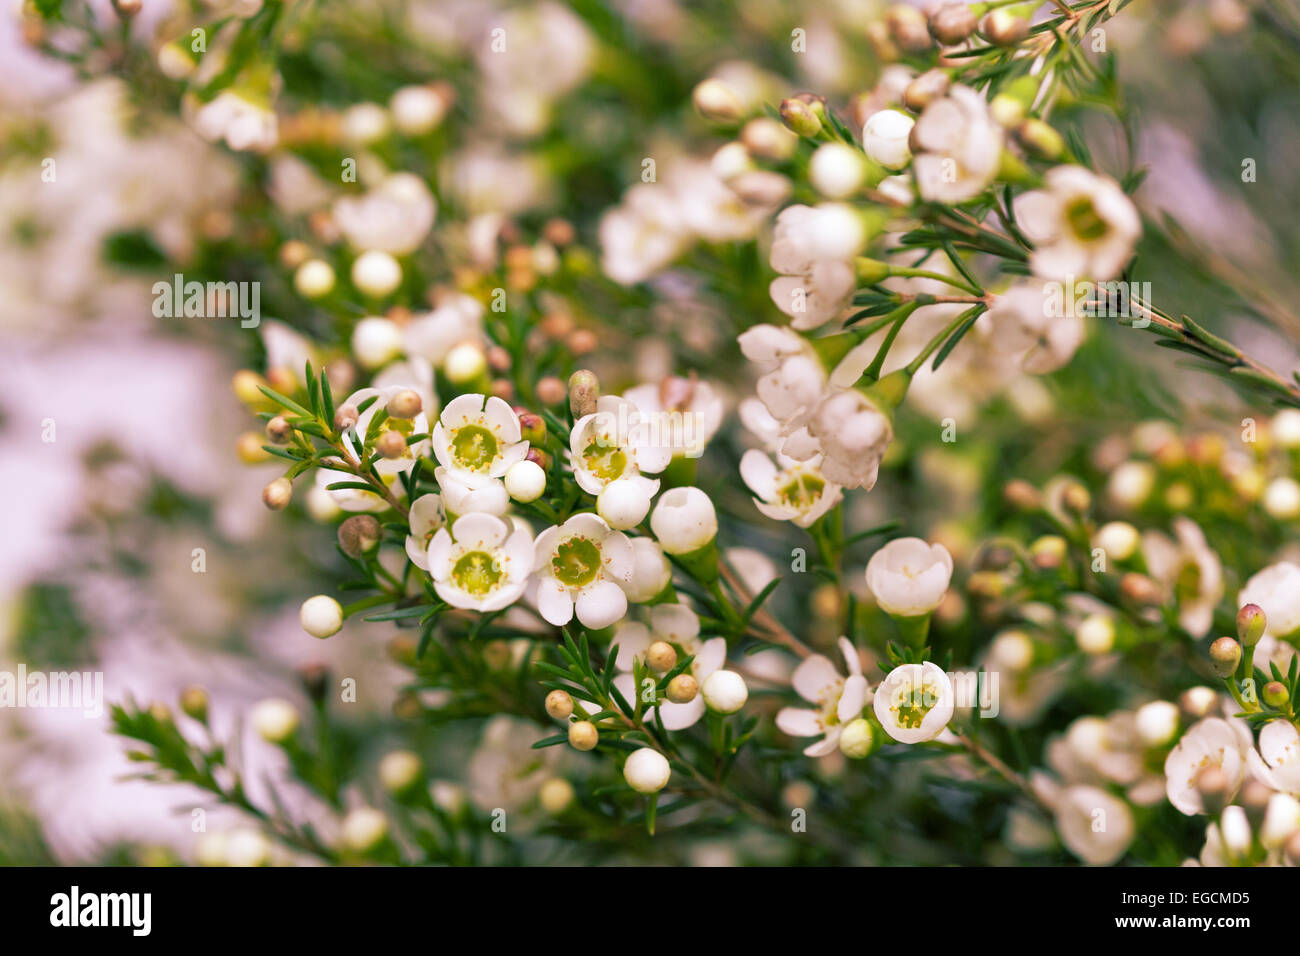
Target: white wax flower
1276, 589
684, 520
1279, 746
427, 515
614, 442
1130, 483
914, 702
481, 563
477, 439
850, 433
461, 499
1025, 323
581, 567
244, 125
678, 625
837, 700
884, 137
651, 571
1156, 722
1094, 825
363, 829
1282, 498
1190, 571
646, 770
321, 616
1082, 225
813, 249
724, 692
417, 110
959, 147
623, 503
793, 380
788, 490
456, 320
1211, 742
642, 235
909, 577
393, 217
525, 481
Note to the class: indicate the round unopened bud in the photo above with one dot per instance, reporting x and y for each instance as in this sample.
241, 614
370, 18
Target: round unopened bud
277, 494
1275, 693
525, 481
376, 341
405, 404
682, 689
684, 520
274, 719
1156, 723
1003, 28
359, 535
583, 735
376, 273
646, 771
555, 795
884, 137
1074, 497
391, 444
1039, 139
857, 738
661, 657
925, 89
836, 170
1196, 702
1214, 787
1282, 498
194, 703
314, 279
1118, 539
623, 503
584, 390
559, 704
1225, 654
346, 417
908, 28
767, 139
951, 23
465, 363
532, 427
799, 118
1048, 552
717, 101
321, 616
539, 458
725, 691
1096, 634
1254, 800
1250, 625
551, 391
417, 110
363, 829
399, 771
278, 430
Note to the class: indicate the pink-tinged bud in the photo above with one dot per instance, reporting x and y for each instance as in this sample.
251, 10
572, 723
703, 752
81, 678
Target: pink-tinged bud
551, 391
584, 390
799, 118
1225, 655
538, 457
532, 427
908, 28
405, 404
1276, 695
1251, 623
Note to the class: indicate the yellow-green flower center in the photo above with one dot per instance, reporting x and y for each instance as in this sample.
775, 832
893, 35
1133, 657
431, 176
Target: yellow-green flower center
606, 462
576, 562
801, 491
913, 702
474, 447
476, 573
1082, 216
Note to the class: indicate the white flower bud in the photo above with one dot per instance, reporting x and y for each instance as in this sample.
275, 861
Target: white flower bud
836, 170
417, 110
376, 341
730, 161
363, 829
246, 847
465, 363
1130, 484
555, 795
525, 481
684, 520
1282, 498
321, 616
884, 137
274, 719
399, 770
651, 571
1156, 723
909, 576
1013, 650
725, 692
314, 278
856, 739
1096, 635
376, 273
1235, 829
1118, 539
623, 503
646, 771
1286, 428
1281, 820
364, 123
717, 101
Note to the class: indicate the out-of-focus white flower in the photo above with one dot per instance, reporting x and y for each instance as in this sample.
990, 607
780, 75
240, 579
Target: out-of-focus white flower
646, 770
679, 626
243, 124
417, 110
314, 278
477, 439
684, 520
1156, 722
582, 565
1082, 225
651, 571
813, 249
427, 516
274, 719
1118, 539
376, 273
1285, 428
1276, 589
793, 381
1191, 572
884, 137
321, 616
481, 563
393, 217
1130, 483
376, 341
788, 490
682, 413
909, 576
1281, 821
958, 147
1282, 498
850, 432
1094, 825
1024, 322
1211, 742
1279, 745
642, 235
836, 170
838, 700
914, 702
457, 319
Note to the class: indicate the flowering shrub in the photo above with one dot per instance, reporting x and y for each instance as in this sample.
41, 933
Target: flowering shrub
731, 472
